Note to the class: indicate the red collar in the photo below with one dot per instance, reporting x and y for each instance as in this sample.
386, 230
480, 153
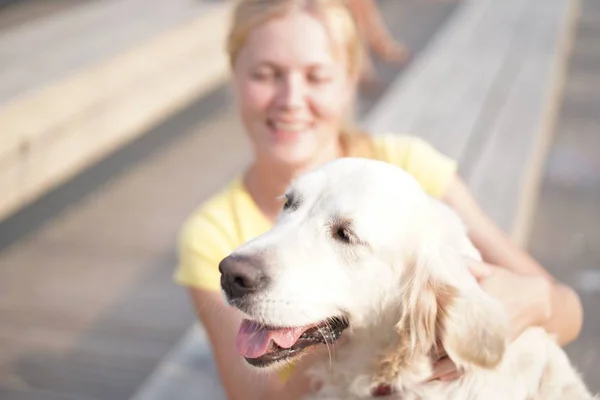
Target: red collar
382, 390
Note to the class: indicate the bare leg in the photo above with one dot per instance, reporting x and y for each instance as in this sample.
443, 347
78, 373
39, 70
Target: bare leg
374, 32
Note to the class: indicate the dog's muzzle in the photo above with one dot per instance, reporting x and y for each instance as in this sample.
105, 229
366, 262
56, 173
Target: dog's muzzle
263, 345
242, 276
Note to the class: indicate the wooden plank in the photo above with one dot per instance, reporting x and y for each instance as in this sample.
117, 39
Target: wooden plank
65, 99
408, 95
79, 120
48, 49
565, 237
18, 394
87, 303
187, 372
444, 96
526, 47
455, 107
505, 179
486, 104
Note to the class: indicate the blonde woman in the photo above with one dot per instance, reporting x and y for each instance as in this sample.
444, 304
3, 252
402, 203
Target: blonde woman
295, 66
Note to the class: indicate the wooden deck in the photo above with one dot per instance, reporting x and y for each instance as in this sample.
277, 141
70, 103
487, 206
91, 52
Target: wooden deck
87, 307
42, 42
95, 78
565, 234
482, 93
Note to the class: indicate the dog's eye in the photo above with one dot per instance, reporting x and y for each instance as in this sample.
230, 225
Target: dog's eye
290, 203
343, 234
342, 230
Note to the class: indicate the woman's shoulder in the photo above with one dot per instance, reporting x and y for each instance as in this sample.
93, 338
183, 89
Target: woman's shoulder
205, 238
214, 216
397, 145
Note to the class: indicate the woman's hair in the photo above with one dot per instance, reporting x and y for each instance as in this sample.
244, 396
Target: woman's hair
334, 14
340, 26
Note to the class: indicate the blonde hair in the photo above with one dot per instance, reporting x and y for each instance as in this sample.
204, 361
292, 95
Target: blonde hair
334, 14
340, 26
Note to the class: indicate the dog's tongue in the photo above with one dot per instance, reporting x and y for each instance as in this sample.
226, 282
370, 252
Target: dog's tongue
253, 339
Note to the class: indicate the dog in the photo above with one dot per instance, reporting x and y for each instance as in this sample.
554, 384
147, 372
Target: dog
360, 250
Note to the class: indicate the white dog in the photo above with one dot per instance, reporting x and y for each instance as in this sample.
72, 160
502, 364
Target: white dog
359, 249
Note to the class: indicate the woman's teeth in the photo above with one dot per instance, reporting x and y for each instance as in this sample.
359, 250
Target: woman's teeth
290, 126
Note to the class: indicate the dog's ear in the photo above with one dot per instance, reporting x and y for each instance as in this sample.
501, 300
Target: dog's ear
442, 301
473, 330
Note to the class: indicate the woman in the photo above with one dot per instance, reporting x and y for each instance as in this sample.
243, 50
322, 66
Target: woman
295, 66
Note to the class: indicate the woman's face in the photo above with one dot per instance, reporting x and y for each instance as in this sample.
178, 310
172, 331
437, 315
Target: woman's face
293, 90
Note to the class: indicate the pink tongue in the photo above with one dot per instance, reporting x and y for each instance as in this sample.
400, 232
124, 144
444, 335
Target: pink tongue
253, 339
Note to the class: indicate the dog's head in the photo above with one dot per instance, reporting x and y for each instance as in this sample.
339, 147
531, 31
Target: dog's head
357, 241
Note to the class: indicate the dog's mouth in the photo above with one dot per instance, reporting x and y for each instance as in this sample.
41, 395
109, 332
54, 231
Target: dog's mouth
263, 345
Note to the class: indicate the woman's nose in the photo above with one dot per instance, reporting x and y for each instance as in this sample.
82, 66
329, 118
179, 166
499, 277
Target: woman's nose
291, 92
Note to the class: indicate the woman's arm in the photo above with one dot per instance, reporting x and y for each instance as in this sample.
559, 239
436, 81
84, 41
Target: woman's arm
566, 316
372, 27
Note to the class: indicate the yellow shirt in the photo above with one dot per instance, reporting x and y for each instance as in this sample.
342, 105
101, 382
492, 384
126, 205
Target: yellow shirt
231, 217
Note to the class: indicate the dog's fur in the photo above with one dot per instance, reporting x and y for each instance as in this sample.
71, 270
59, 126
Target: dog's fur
403, 286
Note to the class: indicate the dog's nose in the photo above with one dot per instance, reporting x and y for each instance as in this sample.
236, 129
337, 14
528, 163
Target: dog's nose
241, 275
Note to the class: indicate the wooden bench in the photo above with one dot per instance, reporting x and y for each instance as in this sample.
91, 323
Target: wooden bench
55, 128
483, 92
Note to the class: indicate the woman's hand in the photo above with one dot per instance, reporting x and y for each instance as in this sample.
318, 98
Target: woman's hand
443, 368
527, 300
497, 248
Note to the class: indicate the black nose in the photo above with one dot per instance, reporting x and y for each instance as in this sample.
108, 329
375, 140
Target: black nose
241, 275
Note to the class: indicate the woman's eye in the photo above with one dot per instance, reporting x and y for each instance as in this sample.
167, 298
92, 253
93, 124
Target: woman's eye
262, 76
319, 78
